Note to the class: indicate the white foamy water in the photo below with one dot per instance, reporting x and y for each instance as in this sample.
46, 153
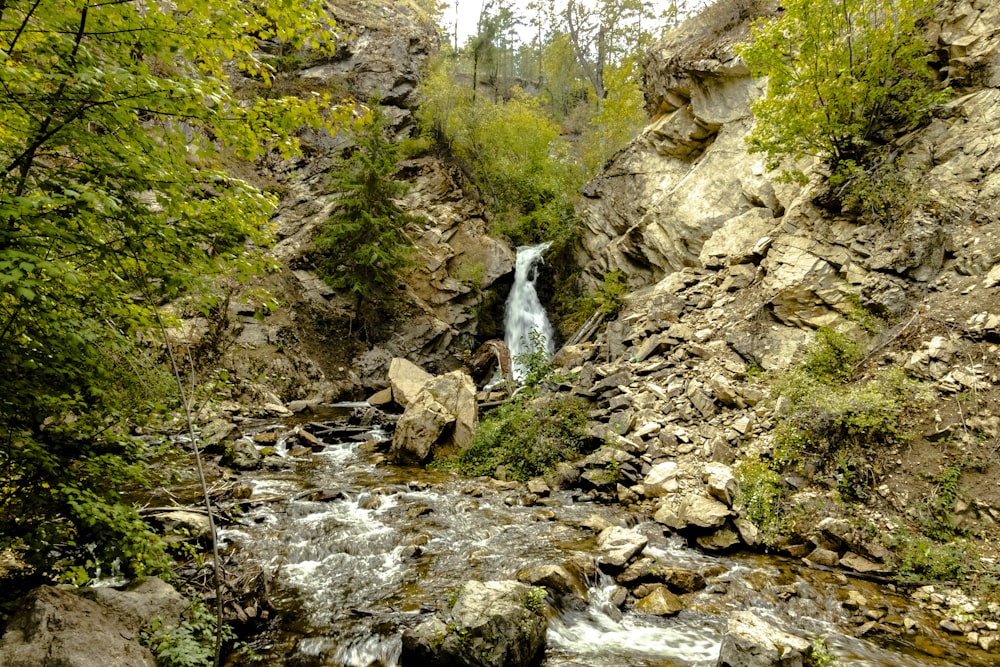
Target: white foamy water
603, 637
524, 313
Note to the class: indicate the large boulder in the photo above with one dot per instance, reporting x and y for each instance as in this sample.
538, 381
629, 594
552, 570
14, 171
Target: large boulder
406, 379
492, 624
93, 627
617, 546
752, 642
693, 511
566, 583
443, 413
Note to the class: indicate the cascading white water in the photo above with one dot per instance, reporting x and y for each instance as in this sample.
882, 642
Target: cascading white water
524, 313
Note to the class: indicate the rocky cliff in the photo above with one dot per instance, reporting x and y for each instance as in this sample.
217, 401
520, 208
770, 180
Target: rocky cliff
734, 275
310, 347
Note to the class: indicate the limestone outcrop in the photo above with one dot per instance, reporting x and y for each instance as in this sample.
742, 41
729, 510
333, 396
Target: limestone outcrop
651, 210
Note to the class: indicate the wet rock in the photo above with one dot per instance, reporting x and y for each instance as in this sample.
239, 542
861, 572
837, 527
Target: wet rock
720, 540
750, 641
566, 583
596, 523
538, 487
660, 602
307, 439
492, 624
217, 432
694, 510
617, 545
681, 579
242, 455
858, 563
91, 628
824, 557
183, 525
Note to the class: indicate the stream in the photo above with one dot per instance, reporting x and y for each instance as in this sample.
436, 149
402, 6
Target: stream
387, 542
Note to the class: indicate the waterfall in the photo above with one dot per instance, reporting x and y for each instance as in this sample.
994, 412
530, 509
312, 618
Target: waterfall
524, 312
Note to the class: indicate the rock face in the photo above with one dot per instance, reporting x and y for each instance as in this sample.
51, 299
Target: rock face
312, 347
390, 44
752, 642
442, 413
652, 209
89, 628
492, 624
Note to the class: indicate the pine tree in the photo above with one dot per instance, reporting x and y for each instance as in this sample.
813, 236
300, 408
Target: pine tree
363, 246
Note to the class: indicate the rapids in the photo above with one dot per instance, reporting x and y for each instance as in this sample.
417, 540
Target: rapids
351, 572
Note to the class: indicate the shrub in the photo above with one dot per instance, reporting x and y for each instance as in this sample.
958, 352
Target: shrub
842, 427
921, 559
527, 437
831, 357
761, 492
843, 75
188, 644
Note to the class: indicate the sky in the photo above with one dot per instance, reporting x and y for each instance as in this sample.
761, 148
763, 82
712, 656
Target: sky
468, 14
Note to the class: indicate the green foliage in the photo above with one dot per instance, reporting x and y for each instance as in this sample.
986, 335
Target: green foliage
610, 297
938, 507
116, 120
921, 559
453, 596
363, 246
527, 437
761, 492
820, 656
879, 189
536, 599
843, 75
536, 363
842, 427
573, 310
831, 357
189, 644
620, 118
515, 153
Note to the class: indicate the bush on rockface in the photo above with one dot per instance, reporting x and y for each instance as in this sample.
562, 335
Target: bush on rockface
844, 78
842, 428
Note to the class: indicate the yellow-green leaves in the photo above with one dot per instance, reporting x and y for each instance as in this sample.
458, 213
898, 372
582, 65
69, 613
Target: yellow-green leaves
843, 75
117, 123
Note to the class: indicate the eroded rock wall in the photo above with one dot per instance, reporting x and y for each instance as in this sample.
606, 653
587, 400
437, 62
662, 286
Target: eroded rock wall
311, 347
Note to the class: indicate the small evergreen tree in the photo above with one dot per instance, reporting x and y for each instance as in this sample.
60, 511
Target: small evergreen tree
363, 246
842, 77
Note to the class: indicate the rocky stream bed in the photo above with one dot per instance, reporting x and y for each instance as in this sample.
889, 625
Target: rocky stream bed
363, 552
